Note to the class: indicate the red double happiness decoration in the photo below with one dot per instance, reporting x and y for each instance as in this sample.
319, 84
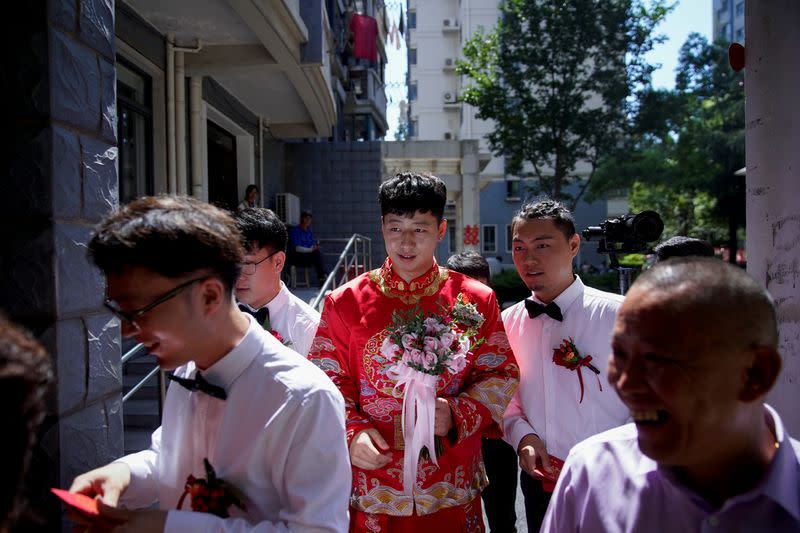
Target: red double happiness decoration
568, 356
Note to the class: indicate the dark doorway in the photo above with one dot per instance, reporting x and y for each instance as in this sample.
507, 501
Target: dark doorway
223, 190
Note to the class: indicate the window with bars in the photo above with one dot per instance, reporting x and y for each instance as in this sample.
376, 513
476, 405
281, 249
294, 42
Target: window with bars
489, 240
134, 132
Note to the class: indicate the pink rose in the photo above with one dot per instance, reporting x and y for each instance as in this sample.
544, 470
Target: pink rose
416, 356
457, 364
389, 349
430, 360
446, 339
409, 340
430, 344
431, 325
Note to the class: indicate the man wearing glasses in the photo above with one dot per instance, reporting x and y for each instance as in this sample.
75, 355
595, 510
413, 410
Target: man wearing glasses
264, 418
259, 288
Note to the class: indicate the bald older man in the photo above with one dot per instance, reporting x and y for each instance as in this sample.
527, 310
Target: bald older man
694, 355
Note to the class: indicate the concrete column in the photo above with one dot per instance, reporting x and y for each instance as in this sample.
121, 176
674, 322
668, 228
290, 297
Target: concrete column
772, 81
59, 180
180, 123
470, 190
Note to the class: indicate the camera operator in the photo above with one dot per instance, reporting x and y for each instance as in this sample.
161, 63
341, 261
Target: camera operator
558, 403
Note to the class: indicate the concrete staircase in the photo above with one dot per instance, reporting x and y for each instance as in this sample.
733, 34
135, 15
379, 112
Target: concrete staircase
141, 413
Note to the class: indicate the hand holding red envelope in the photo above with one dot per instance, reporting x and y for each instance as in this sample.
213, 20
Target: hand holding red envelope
85, 507
549, 479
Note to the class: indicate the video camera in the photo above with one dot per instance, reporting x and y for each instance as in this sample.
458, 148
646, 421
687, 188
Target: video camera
626, 234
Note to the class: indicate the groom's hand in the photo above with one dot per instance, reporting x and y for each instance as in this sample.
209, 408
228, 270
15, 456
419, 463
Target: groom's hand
443, 421
364, 452
531, 449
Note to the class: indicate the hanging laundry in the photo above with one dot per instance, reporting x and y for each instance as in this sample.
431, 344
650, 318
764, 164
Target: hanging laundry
365, 37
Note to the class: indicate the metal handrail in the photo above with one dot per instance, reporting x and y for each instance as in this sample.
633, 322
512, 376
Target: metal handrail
139, 348
352, 245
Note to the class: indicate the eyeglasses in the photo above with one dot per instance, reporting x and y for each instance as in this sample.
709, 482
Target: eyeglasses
250, 268
131, 316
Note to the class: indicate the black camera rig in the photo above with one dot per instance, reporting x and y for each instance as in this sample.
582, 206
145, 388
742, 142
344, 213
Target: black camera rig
625, 234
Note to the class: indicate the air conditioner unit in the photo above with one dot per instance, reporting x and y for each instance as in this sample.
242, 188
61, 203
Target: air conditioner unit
449, 97
287, 207
449, 62
450, 23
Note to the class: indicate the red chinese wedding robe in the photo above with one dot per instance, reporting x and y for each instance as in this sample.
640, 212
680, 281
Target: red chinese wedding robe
347, 347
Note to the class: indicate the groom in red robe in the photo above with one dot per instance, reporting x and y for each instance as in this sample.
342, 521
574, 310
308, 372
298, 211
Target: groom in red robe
469, 403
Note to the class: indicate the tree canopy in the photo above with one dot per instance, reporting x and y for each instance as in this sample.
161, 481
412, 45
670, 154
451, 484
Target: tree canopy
685, 149
560, 79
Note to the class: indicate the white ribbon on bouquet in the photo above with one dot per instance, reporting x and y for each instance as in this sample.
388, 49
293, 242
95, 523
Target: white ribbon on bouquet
419, 413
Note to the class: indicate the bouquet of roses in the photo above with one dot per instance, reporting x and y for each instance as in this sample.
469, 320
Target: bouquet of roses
420, 347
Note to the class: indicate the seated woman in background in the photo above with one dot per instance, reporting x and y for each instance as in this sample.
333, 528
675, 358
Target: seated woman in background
250, 198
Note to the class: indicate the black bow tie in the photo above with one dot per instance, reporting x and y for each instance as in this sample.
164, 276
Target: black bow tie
535, 309
261, 315
199, 383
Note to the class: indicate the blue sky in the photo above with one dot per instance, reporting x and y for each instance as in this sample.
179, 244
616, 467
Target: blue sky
688, 16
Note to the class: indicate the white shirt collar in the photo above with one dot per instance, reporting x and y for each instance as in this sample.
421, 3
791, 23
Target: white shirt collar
230, 366
279, 301
567, 296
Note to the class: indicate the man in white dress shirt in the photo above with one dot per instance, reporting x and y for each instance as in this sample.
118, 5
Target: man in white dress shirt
260, 290
558, 404
265, 418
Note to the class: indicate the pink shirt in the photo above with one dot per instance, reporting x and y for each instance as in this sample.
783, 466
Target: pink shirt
608, 485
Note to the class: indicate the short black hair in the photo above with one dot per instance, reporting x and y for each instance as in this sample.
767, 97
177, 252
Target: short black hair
304, 214
26, 377
171, 236
470, 264
547, 209
406, 193
250, 188
680, 246
261, 227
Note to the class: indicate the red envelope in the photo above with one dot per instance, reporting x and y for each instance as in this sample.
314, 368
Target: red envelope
549, 480
78, 502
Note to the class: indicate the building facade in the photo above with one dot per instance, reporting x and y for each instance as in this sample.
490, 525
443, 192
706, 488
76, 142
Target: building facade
728, 20
436, 34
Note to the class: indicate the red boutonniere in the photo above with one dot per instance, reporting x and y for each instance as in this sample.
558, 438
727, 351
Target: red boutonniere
211, 494
266, 326
568, 356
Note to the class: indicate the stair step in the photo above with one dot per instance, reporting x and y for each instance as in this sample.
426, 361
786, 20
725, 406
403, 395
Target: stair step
137, 440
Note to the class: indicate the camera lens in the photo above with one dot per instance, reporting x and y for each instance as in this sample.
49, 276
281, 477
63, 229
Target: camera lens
647, 226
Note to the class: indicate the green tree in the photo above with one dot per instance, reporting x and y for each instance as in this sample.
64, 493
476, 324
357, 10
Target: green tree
685, 148
559, 78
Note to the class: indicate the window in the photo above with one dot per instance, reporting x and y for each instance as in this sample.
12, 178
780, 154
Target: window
412, 56
726, 31
134, 132
740, 9
452, 243
412, 20
412, 91
512, 189
489, 241
509, 239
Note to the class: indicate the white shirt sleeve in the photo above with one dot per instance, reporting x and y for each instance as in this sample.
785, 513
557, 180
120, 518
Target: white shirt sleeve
143, 489
515, 423
316, 477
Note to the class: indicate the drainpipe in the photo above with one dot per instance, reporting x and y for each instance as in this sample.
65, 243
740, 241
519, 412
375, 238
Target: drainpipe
195, 98
180, 120
180, 114
171, 182
261, 157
